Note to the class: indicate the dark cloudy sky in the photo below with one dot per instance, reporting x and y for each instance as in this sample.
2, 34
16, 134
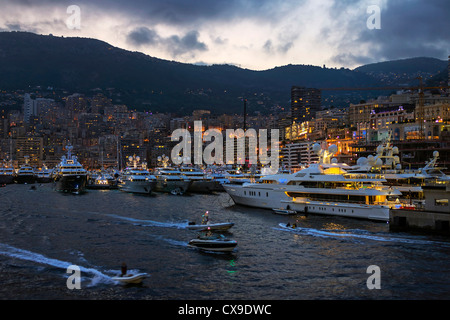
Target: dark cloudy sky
254, 34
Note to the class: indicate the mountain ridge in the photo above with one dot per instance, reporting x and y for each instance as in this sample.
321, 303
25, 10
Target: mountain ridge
82, 64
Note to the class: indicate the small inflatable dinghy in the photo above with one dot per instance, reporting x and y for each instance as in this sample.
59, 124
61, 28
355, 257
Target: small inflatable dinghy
131, 278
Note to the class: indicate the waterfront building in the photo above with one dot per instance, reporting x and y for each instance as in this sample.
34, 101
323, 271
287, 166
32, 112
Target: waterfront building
30, 148
294, 155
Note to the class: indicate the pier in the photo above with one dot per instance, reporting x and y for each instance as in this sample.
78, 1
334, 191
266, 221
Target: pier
434, 217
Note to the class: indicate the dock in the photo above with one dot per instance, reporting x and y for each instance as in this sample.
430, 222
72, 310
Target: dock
434, 217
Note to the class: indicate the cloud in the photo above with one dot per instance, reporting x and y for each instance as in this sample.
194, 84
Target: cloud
256, 34
175, 44
408, 29
143, 36
189, 42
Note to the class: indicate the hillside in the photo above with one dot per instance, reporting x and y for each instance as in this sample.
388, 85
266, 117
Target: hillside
142, 81
405, 71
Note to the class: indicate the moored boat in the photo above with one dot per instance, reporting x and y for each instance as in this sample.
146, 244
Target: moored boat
70, 176
170, 180
25, 174
6, 175
136, 178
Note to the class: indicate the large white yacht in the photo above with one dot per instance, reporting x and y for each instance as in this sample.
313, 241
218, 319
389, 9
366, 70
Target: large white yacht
69, 174
201, 182
171, 180
44, 175
25, 174
136, 178
386, 163
319, 191
6, 174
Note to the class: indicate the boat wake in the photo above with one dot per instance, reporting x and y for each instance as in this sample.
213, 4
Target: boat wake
98, 276
357, 234
146, 223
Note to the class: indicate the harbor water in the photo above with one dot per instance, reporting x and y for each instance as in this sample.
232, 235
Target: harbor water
43, 232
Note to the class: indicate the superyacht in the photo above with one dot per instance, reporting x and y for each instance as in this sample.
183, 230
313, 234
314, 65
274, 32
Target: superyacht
319, 191
44, 175
201, 182
171, 180
6, 175
25, 174
136, 178
70, 176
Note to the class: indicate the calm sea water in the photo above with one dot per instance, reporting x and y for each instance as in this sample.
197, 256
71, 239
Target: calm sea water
42, 232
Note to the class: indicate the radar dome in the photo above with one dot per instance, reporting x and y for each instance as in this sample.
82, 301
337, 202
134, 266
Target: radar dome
316, 147
333, 148
362, 161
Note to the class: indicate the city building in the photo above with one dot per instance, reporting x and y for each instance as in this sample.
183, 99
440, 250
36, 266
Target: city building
31, 147
30, 107
305, 102
295, 155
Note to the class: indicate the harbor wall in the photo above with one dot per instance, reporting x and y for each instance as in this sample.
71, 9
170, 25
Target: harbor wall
421, 221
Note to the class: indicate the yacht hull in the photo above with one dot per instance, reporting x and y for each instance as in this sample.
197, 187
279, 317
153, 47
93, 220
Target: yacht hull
43, 179
202, 186
349, 210
6, 179
25, 179
267, 198
73, 184
257, 198
141, 187
180, 186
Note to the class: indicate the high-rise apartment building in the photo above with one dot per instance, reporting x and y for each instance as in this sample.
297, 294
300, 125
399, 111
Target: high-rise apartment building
305, 102
31, 147
29, 107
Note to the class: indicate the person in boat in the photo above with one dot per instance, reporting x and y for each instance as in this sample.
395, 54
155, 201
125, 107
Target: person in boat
124, 269
205, 218
288, 224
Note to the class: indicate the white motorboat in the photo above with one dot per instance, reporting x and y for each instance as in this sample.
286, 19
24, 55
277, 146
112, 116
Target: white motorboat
131, 278
284, 212
207, 225
216, 243
210, 226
